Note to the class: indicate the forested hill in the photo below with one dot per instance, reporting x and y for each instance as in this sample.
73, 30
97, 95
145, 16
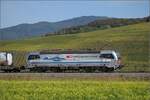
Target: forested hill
102, 24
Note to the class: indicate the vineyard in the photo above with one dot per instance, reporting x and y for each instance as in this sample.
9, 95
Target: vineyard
131, 41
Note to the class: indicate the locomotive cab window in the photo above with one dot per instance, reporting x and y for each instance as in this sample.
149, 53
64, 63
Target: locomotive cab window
107, 56
33, 57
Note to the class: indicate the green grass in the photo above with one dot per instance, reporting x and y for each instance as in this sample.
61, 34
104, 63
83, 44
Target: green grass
74, 90
131, 41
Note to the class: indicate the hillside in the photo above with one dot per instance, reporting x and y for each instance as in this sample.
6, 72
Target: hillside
102, 24
41, 28
131, 41
69, 26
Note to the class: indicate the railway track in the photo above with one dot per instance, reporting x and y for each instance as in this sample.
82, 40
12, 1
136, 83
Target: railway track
143, 76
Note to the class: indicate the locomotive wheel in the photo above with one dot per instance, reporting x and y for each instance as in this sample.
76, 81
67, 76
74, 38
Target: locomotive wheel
106, 69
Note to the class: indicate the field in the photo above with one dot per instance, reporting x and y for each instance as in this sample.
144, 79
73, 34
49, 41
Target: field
74, 90
74, 86
131, 41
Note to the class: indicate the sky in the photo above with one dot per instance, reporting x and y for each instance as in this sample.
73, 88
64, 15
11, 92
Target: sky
14, 12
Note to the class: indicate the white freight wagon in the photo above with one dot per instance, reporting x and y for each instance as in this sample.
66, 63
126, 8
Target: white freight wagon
5, 59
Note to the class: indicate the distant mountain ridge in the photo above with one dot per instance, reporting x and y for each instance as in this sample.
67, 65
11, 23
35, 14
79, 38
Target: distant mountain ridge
41, 28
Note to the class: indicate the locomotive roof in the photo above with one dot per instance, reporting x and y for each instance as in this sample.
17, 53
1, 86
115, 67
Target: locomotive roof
72, 52
66, 52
